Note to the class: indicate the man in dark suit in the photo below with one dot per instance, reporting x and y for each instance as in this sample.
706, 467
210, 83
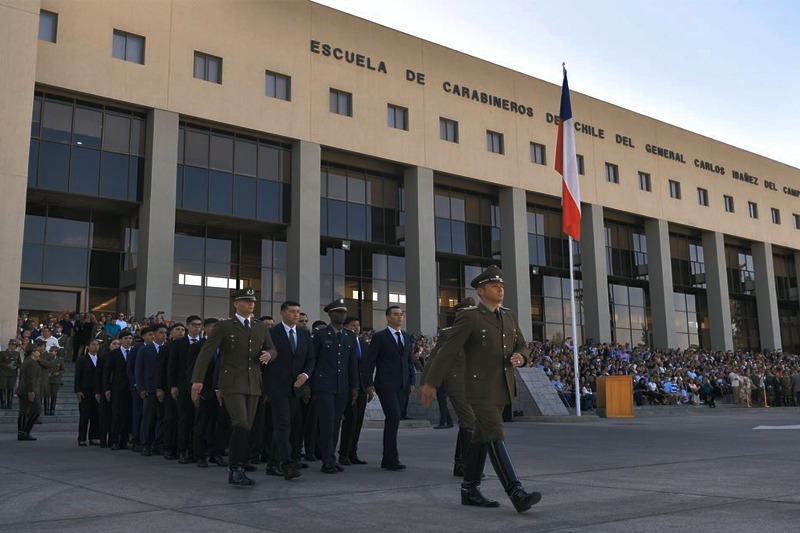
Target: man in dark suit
146, 368
146, 334
244, 345
335, 379
178, 376
389, 357
281, 382
117, 391
353, 417
85, 368
493, 345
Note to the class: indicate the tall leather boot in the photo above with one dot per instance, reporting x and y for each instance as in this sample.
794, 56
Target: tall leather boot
498, 453
462, 441
3, 397
239, 445
29, 423
474, 459
9, 399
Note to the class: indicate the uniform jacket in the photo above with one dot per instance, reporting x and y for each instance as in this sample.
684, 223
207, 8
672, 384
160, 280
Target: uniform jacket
488, 344
29, 377
9, 357
336, 366
85, 374
278, 377
393, 368
240, 349
454, 379
115, 375
178, 364
56, 369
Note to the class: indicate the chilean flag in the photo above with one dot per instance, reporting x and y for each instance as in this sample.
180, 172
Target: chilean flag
567, 166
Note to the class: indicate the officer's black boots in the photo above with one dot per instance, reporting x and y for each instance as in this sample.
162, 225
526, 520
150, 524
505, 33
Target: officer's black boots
474, 459
498, 453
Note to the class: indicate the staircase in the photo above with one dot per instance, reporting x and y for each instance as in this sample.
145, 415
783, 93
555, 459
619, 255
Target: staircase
66, 405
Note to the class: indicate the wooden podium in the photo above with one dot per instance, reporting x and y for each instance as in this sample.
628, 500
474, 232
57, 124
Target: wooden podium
615, 397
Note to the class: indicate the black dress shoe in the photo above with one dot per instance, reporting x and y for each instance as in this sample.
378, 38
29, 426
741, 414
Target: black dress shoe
449, 425
103, 445
249, 468
82, 443
182, 458
201, 462
440, 426
523, 500
147, 452
344, 461
406, 418
310, 458
356, 461
136, 447
122, 445
393, 466
290, 471
471, 495
236, 476
299, 464
114, 447
218, 460
328, 468
338, 467
274, 469
169, 456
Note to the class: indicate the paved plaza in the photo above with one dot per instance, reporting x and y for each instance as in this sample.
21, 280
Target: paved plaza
668, 469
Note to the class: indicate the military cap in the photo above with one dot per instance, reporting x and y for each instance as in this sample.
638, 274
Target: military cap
336, 305
465, 303
13, 341
492, 273
248, 293
40, 340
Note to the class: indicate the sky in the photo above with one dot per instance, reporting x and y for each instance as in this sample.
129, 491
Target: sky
726, 69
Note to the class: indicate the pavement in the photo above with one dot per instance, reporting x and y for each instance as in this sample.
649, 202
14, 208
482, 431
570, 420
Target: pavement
726, 470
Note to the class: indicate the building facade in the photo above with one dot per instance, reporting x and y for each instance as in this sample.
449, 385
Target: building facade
157, 153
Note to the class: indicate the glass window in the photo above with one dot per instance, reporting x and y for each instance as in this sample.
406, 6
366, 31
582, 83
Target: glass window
222, 152
494, 142
88, 127
581, 169
356, 190
196, 146
220, 192
117, 133
448, 130
278, 86
34, 228
702, 196
397, 117
538, 154
85, 171
356, 221
341, 103
269, 162
796, 220
752, 208
612, 173
65, 266
644, 182
246, 156
57, 121
270, 201
244, 197
776, 215
337, 184
53, 166
114, 176
128, 47
195, 188
728, 200
32, 259
48, 26
337, 218
674, 189
207, 67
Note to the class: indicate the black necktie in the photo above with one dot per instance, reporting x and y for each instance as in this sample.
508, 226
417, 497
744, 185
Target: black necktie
497, 313
399, 340
292, 340
192, 341
247, 323
125, 355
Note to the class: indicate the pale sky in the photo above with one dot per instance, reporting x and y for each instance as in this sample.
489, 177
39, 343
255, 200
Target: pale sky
726, 69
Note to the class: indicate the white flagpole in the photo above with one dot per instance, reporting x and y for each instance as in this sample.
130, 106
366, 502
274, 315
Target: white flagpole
574, 331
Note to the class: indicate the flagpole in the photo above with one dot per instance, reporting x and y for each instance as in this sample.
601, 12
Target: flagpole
574, 331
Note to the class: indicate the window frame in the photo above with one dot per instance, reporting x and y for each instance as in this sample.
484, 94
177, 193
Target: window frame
645, 184
495, 142
730, 206
127, 36
392, 112
277, 77
581, 165
446, 125
48, 15
775, 213
702, 196
341, 96
752, 209
612, 173
675, 189
207, 59
538, 154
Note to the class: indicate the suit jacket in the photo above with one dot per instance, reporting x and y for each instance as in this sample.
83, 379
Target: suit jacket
146, 362
393, 367
115, 375
85, 374
161, 365
336, 366
29, 377
488, 343
178, 364
240, 349
130, 367
278, 377
455, 374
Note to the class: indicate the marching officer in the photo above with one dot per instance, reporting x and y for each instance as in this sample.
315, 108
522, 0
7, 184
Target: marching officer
244, 345
9, 362
493, 346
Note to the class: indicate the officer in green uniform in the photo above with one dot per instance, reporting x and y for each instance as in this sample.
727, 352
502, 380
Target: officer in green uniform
244, 345
493, 345
9, 361
54, 380
454, 385
30, 406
